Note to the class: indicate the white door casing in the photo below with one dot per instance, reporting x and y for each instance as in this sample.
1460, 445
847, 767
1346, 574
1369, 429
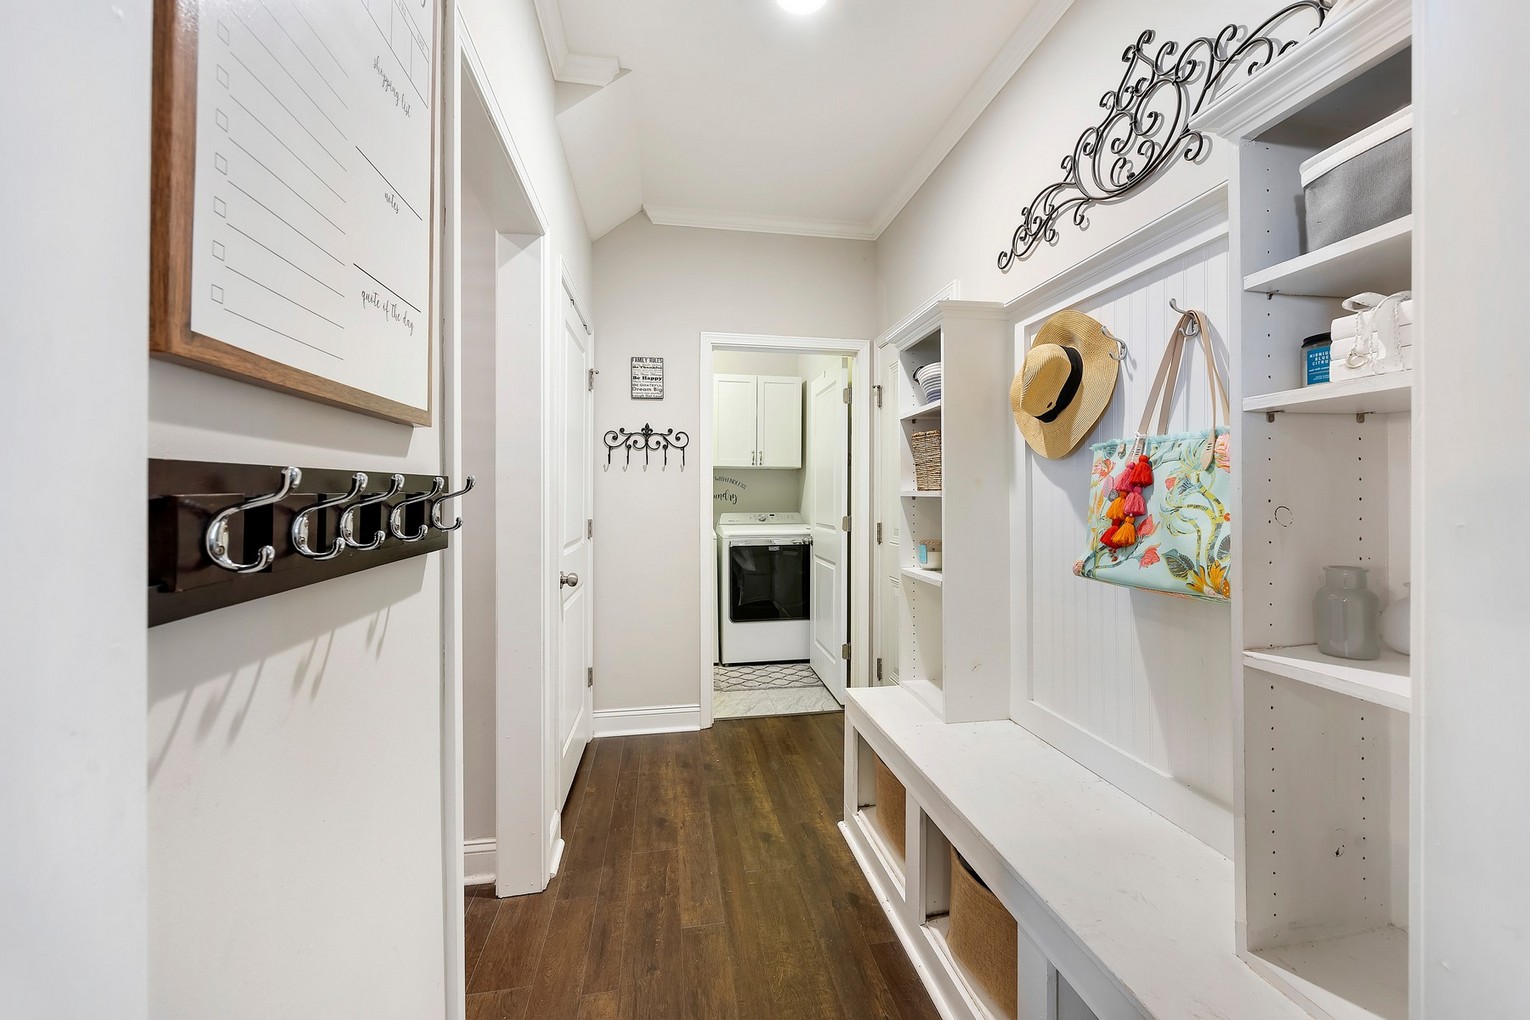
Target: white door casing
889, 583
779, 428
735, 422
574, 480
829, 505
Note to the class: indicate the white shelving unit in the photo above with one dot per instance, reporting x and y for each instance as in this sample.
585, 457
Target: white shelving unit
961, 610
1323, 477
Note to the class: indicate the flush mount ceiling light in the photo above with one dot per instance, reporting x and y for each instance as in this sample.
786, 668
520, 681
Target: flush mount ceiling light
800, 6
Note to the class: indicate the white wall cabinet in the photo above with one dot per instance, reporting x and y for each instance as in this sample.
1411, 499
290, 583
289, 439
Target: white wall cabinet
757, 421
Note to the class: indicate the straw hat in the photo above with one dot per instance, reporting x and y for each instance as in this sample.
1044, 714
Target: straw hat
1065, 385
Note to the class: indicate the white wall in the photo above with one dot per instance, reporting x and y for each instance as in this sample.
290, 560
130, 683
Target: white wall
956, 225
73, 329
295, 773
1472, 898
656, 290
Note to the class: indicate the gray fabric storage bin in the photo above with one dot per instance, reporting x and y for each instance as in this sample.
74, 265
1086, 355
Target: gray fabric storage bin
1360, 183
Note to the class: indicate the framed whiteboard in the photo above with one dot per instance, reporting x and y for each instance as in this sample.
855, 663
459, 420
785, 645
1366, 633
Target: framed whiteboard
293, 210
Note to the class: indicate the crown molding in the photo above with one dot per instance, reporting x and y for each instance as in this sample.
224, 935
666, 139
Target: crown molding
1033, 29
675, 216
1357, 35
574, 68
920, 322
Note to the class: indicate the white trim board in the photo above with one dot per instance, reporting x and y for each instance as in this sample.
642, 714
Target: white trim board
568, 66
707, 219
919, 323
478, 860
626, 722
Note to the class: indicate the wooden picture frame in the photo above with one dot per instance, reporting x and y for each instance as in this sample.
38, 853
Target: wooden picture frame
173, 179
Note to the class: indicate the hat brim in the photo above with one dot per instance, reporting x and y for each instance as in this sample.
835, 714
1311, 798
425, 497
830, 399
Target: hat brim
1059, 437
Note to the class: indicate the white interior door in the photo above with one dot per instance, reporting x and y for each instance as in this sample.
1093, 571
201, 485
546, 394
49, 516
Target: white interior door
829, 504
780, 422
574, 476
734, 421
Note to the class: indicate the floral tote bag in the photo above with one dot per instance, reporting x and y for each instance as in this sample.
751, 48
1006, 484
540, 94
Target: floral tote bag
1159, 517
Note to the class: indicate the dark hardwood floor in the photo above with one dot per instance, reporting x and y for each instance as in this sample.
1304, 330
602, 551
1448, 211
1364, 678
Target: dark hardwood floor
704, 878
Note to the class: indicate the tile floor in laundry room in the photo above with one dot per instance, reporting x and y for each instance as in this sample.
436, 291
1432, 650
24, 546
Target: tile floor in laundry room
773, 688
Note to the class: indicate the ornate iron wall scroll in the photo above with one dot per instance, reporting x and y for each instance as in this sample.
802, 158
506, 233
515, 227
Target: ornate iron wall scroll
648, 442
1148, 119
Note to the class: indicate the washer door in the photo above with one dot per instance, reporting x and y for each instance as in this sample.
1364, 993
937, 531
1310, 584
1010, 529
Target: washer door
768, 581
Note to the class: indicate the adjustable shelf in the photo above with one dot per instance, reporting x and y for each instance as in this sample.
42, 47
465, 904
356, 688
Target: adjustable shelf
930, 410
1380, 259
930, 577
1384, 681
1388, 393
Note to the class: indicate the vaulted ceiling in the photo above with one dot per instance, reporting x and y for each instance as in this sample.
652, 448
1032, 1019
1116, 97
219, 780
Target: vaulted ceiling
735, 113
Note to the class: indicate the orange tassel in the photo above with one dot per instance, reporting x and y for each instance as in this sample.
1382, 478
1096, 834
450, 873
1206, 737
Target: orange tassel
1125, 535
1117, 509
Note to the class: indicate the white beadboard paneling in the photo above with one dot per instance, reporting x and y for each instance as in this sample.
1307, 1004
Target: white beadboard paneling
1135, 684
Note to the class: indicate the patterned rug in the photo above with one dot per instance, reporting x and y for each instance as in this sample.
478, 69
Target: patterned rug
773, 676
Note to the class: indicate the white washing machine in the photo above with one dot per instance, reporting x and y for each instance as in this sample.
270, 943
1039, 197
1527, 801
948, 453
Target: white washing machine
764, 608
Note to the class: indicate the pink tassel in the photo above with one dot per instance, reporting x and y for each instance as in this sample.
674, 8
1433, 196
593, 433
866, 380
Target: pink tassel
1136, 506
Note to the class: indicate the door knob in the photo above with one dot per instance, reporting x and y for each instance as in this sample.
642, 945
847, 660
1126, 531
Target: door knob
569, 580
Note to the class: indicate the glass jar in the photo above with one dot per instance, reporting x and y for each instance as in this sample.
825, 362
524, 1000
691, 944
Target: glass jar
1346, 615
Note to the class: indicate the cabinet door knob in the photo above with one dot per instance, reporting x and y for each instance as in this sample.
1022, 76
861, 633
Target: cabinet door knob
569, 580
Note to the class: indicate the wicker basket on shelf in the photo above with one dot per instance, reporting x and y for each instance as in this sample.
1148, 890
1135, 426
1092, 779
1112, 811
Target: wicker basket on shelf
926, 448
983, 936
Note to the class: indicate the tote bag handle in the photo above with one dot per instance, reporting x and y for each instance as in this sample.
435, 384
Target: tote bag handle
1162, 395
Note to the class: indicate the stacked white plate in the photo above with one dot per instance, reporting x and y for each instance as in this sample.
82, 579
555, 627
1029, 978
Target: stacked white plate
928, 379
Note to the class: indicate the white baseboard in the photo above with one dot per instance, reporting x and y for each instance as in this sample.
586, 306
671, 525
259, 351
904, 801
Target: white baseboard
478, 861
622, 722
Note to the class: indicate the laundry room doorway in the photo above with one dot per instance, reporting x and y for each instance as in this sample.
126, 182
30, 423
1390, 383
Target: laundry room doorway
785, 501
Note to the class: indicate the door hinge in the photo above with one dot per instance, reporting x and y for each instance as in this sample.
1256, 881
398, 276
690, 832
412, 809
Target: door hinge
844, 651
844, 524
589, 528
879, 669
877, 392
593, 373
847, 394
589, 676
879, 532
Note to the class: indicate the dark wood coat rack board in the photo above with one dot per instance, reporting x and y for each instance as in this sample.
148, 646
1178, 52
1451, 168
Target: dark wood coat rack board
186, 496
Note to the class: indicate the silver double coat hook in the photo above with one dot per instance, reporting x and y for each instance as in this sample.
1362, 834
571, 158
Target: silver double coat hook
348, 523
301, 523
396, 518
435, 510
215, 540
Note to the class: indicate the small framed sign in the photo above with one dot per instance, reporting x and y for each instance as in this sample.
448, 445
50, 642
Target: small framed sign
647, 378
